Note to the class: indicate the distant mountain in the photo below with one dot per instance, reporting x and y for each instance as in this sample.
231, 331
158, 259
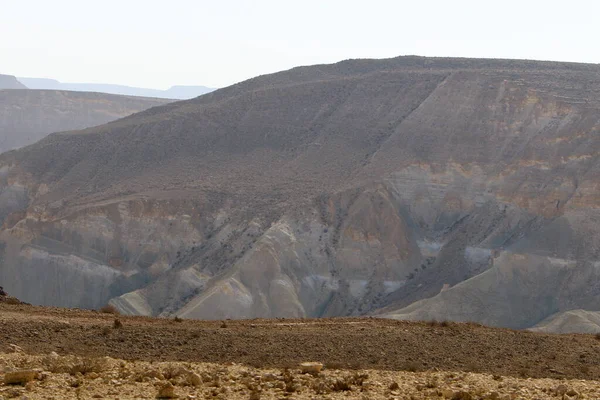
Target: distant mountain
26, 116
175, 92
10, 82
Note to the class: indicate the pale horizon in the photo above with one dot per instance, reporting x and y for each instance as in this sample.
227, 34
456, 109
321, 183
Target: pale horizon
155, 45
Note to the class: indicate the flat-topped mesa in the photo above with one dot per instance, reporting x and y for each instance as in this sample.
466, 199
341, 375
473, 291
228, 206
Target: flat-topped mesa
346, 189
10, 82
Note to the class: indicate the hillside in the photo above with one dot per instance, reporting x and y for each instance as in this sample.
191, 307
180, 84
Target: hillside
175, 92
413, 188
29, 115
10, 82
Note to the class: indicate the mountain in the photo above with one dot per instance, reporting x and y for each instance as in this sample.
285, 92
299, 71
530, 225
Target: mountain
10, 82
412, 188
175, 92
29, 115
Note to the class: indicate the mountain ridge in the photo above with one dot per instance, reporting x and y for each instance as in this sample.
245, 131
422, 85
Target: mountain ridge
366, 186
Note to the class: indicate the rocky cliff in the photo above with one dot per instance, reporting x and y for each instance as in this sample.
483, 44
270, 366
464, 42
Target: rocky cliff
411, 188
29, 115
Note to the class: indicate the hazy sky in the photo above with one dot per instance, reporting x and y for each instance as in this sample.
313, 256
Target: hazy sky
215, 43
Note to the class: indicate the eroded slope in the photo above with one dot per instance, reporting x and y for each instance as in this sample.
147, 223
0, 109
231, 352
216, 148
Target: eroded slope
324, 191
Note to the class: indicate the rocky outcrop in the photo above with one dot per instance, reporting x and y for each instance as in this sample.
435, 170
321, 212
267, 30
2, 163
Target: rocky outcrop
410, 188
30, 115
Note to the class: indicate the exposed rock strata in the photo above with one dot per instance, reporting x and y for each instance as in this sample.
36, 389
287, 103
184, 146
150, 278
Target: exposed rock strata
410, 187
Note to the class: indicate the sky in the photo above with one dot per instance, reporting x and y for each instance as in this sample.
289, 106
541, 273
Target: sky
157, 44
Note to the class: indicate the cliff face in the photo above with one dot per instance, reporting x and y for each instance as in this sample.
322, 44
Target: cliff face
10, 82
29, 115
409, 188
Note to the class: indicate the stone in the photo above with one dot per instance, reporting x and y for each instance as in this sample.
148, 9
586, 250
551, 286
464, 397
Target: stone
311, 367
561, 389
195, 379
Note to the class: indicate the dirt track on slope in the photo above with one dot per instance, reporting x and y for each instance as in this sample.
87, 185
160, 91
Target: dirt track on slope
338, 343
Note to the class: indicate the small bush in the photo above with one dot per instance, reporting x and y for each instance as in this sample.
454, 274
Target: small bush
435, 323
341, 385
334, 365
357, 379
87, 365
411, 366
109, 309
117, 324
173, 371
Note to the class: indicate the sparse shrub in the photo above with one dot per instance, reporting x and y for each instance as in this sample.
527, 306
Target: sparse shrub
109, 309
177, 319
255, 395
12, 301
341, 385
320, 387
462, 396
117, 324
334, 365
173, 371
436, 323
224, 324
411, 366
288, 379
394, 386
86, 365
597, 336
432, 384
524, 372
357, 379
